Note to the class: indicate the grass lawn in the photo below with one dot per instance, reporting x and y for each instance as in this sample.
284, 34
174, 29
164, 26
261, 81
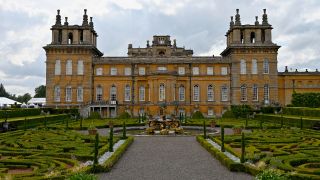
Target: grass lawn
29, 117
39, 153
294, 151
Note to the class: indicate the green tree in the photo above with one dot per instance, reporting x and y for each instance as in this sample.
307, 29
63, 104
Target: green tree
3, 92
24, 98
40, 92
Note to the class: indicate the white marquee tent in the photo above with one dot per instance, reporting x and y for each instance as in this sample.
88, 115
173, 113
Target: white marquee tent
5, 102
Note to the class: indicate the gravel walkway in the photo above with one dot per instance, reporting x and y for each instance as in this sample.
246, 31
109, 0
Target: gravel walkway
169, 158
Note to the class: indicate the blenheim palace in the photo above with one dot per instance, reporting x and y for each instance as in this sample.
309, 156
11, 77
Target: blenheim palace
163, 78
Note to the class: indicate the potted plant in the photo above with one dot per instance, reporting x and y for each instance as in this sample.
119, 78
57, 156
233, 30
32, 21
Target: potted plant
213, 123
92, 129
237, 129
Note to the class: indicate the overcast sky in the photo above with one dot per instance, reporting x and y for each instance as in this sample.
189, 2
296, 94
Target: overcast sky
196, 24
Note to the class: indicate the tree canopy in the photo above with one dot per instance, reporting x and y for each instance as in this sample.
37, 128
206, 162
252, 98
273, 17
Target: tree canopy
40, 92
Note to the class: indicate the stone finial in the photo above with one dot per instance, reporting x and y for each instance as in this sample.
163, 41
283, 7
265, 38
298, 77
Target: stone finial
286, 69
85, 18
317, 70
58, 18
148, 45
306, 70
91, 22
129, 46
257, 22
231, 22
296, 70
66, 21
238, 22
174, 43
265, 17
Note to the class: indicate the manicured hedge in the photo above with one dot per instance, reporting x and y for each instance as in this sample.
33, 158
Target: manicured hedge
10, 113
287, 121
302, 111
61, 111
231, 165
306, 99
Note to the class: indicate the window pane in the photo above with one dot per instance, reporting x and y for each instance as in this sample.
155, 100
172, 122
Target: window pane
162, 92
224, 93
68, 94
113, 71
209, 70
195, 70
57, 69
57, 93
113, 93
80, 67
181, 93
196, 93
254, 67
69, 67
243, 91
127, 92
80, 94
141, 93
266, 66
127, 71
99, 93
181, 70
243, 67
99, 71
224, 70
255, 93
142, 71
210, 93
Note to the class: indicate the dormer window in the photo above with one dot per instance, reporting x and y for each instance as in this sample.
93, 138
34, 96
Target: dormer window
161, 40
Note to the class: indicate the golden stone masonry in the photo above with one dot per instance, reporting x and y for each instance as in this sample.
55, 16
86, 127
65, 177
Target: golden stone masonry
163, 78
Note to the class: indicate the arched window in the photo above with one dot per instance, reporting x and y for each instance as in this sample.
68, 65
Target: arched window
254, 67
80, 67
266, 93
266, 66
141, 93
68, 94
253, 37
70, 38
69, 67
80, 94
210, 93
224, 93
99, 93
57, 93
181, 93
243, 66
243, 91
255, 93
127, 93
196, 93
113, 93
57, 68
162, 92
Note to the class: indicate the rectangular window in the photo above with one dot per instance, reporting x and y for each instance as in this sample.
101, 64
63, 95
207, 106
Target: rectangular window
195, 70
57, 68
69, 67
254, 67
113, 71
243, 93
224, 71
181, 70
57, 93
162, 92
209, 70
162, 68
196, 93
266, 66
266, 93
224, 93
127, 71
255, 93
99, 72
141, 93
210, 93
80, 94
99, 93
127, 93
80, 67
142, 71
68, 94
181, 93
210, 112
243, 67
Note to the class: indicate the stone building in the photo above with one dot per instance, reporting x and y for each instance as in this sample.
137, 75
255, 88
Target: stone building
163, 78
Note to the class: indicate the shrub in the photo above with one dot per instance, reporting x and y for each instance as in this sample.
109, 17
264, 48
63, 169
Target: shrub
270, 109
305, 99
228, 114
82, 176
10, 113
302, 111
197, 115
124, 115
241, 110
95, 115
271, 174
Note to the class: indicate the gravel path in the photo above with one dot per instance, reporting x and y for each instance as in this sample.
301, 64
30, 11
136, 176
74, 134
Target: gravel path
169, 158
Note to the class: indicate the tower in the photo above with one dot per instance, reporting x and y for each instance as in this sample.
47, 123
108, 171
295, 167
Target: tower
69, 59
253, 57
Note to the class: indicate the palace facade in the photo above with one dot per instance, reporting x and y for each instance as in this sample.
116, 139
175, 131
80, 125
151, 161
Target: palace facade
163, 78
